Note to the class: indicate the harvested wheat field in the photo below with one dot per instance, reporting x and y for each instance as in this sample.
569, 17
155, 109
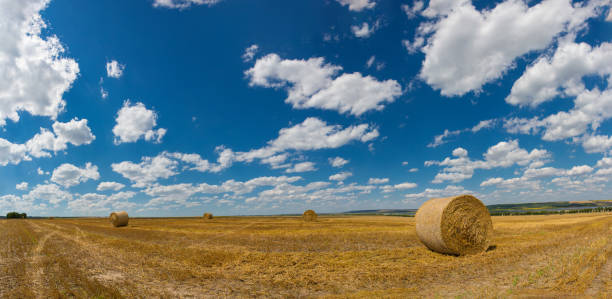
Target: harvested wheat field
335, 257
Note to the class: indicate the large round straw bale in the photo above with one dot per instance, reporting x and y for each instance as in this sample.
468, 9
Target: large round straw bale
309, 215
208, 216
119, 218
457, 225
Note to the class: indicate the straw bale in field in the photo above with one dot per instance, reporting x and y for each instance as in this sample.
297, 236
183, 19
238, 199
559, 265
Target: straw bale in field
208, 216
456, 225
119, 218
309, 215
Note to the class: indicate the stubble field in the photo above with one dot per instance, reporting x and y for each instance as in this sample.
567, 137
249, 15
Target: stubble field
335, 257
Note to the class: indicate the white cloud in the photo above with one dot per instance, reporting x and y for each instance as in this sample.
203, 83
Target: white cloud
415, 9
341, 176
503, 154
591, 108
338, 162
561, 74
92, 203
12, 153
249, 53
484, 124
103, 93
135, 122
405, 185
41, 172
469, 48
104, 186
428, 193
443, 138
413, 170
376, 181
311, 84
148, 171
301, 167
181, 4
358, 5
415, 45
609, 17
114, 69
311, 134
597, 143
69, 175
50, 193
22, 186
364, 31
224, 160
75, 132
580, 170
33, 73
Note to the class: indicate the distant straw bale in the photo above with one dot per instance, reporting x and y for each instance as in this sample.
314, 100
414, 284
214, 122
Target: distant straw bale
119, 218
208, 216
309, 215
456, 225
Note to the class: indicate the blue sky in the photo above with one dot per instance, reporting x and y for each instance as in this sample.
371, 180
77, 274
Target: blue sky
179, 107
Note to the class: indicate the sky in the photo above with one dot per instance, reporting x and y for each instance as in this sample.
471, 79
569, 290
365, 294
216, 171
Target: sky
180, 107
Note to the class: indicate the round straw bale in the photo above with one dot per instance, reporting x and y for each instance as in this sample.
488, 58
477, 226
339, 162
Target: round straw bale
309, 215
119, 218
208, 216
457, 225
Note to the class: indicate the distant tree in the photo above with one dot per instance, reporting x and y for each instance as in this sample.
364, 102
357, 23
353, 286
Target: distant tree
15, 215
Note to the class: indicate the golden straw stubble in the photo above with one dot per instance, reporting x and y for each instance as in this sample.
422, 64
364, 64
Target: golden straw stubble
458, 225
309, 215
119, 218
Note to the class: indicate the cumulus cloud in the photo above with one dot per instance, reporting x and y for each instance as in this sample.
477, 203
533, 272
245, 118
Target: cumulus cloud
338, 162
135, 122
249, 53
576, 178
341, 176
415, 9
114, 69
301, 167
12, 153
311, 134
50, 193
104, 186
314, 84
149, 170
22, 186
376, 181
365, 30
561, 74
467, 48
34, 75
591, 108
428, 193
181, 4
181, 193
69, 175
75, 132
358, 5
503, 154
